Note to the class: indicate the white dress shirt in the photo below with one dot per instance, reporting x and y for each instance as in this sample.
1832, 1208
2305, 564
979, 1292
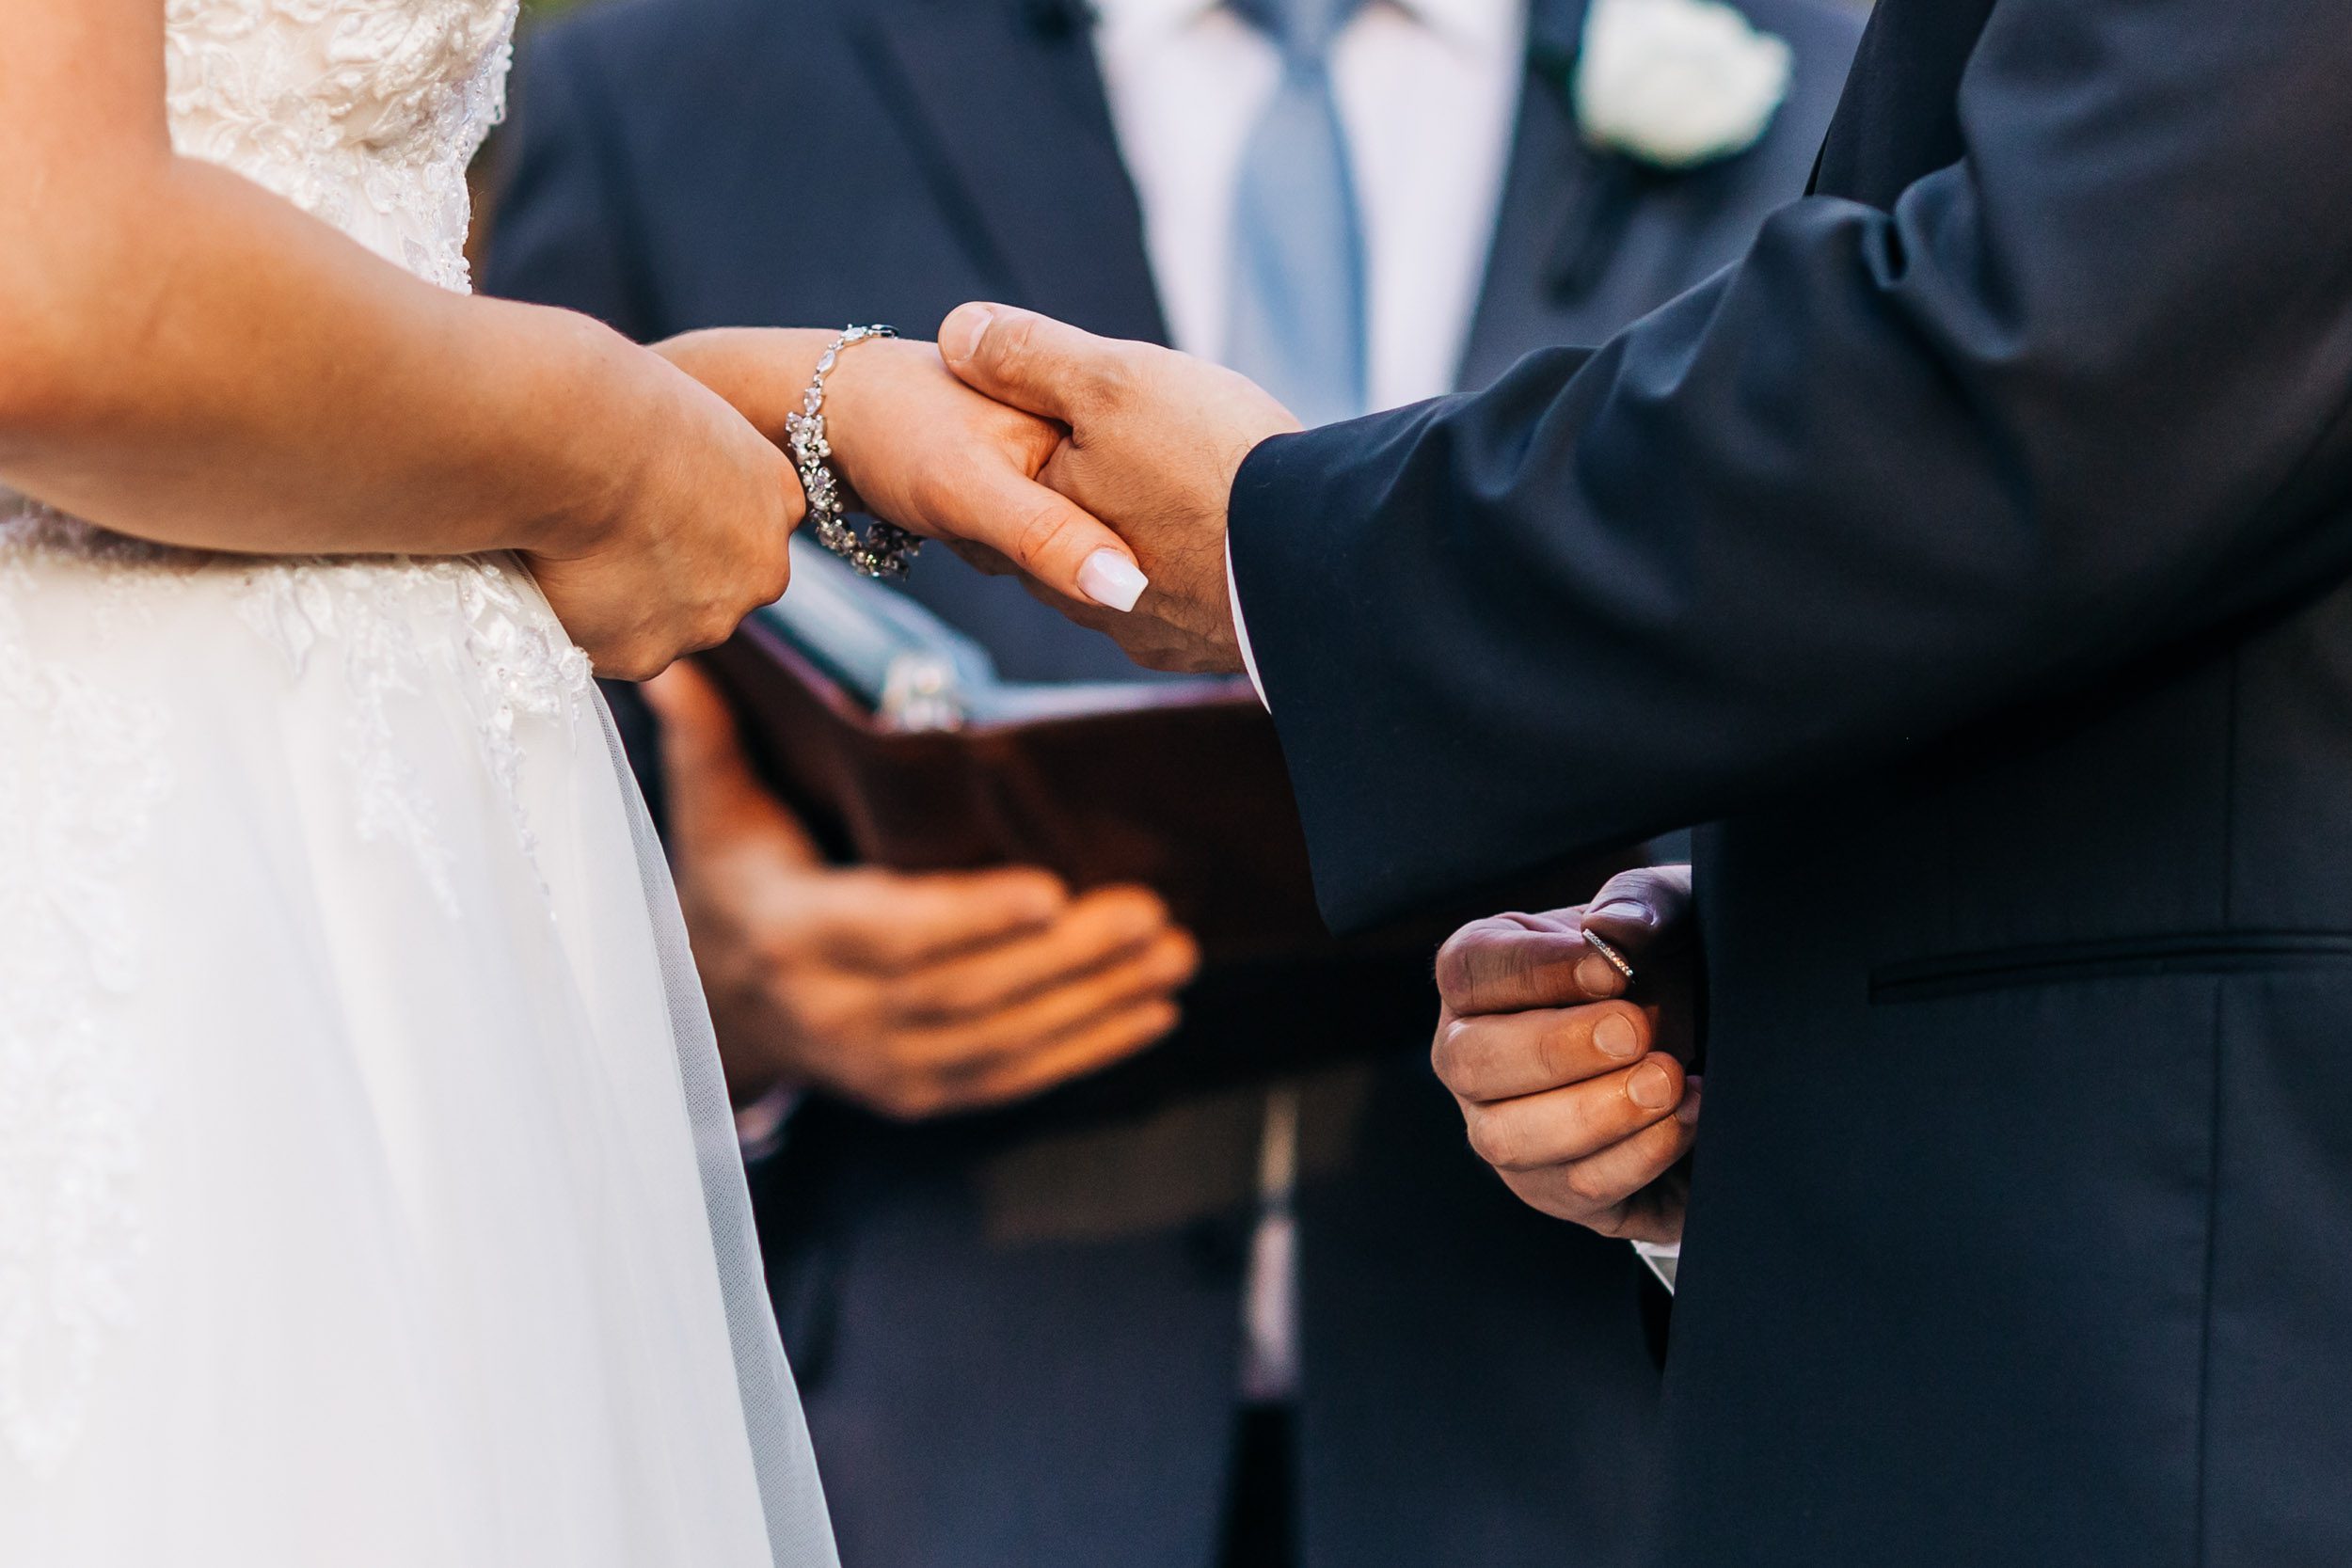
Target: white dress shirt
1429, 95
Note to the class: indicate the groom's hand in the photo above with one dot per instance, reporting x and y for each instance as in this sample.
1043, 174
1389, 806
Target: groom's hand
1574, 1092
910, 995
1155, 439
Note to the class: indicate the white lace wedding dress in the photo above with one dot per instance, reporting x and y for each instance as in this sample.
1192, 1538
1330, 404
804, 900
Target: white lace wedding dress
366, 1189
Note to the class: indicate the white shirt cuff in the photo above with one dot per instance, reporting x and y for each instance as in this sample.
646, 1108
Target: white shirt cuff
1663, 1257
1241, 627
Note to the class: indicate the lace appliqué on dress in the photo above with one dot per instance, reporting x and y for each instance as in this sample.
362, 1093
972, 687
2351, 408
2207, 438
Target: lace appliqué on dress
372, 615
75, 811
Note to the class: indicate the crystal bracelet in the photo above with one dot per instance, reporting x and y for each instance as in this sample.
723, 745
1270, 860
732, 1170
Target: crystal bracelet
887, 550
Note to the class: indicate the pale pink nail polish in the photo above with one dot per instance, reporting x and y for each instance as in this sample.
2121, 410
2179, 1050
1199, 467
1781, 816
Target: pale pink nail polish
1112, 581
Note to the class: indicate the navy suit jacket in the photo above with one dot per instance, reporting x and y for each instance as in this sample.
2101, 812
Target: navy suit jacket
1018, 1333
1978, 547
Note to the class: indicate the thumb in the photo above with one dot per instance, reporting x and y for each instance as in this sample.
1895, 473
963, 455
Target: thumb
1028, 362
1055, 370
1641, 912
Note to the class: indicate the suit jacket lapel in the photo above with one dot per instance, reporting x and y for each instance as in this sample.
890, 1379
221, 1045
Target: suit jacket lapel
1006, 104
1517, 309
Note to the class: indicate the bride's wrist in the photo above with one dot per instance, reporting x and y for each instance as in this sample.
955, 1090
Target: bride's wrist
857, 400
623, 413
761, 371
644, 456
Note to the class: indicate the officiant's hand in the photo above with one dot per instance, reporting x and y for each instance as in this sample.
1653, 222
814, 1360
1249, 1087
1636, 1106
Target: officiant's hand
1155, 439
910, 995
1573, 1092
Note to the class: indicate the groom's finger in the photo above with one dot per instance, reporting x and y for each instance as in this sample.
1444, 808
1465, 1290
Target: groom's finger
1644, 913
1509, 962
1502, 1055
1566, 1125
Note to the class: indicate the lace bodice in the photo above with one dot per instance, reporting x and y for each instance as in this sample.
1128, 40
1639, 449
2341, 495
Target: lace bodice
362, 112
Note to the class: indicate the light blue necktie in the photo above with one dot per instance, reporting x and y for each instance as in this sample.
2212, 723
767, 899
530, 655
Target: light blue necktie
1295, 324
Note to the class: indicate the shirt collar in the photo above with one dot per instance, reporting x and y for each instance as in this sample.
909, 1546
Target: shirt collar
1486, 26
1481, 25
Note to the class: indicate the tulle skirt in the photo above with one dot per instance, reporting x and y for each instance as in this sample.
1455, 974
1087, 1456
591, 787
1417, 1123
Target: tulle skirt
365, 1190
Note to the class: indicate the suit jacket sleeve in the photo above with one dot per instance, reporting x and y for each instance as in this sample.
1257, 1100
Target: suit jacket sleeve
559, 234
2074, 397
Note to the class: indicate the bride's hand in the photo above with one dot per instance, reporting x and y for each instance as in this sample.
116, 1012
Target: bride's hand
696, 537
918, 448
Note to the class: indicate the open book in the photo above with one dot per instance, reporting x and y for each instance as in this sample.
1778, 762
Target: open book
892, 734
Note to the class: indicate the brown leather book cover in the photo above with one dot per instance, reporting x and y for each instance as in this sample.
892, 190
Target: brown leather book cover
1181, 788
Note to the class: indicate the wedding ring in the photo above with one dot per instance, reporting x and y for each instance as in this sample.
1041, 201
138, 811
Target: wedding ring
1615, 958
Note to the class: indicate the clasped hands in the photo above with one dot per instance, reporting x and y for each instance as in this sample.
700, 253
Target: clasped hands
1090, 466
1130, 452
1154, 441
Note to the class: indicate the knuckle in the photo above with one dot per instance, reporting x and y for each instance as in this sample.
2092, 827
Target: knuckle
1011, 339
1555, 1051
639, 659
1449, 963
934, 496
712, 626
1449, 1051
907, 1097
777, 581
826, 1019
1457, 962
1492, 1140
1040, 532
1635, 884
1588, 1187
1116, 378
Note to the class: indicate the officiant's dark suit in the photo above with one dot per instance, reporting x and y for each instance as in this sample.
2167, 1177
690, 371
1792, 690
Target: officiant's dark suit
1978, 548
1018, 1333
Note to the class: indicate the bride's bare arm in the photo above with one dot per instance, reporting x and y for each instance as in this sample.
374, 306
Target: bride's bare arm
187, 358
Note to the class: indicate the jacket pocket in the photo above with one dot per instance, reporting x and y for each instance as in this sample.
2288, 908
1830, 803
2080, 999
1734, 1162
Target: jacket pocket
2057, 963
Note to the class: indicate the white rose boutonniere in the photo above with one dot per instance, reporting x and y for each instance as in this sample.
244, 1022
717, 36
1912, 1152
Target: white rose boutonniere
1660, 90
1675, 83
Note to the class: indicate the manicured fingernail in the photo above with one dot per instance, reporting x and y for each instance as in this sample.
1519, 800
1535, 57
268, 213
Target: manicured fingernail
1596, 976
1651, 1086
1616, 1036
959, 335
1620, 908
1112, 581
